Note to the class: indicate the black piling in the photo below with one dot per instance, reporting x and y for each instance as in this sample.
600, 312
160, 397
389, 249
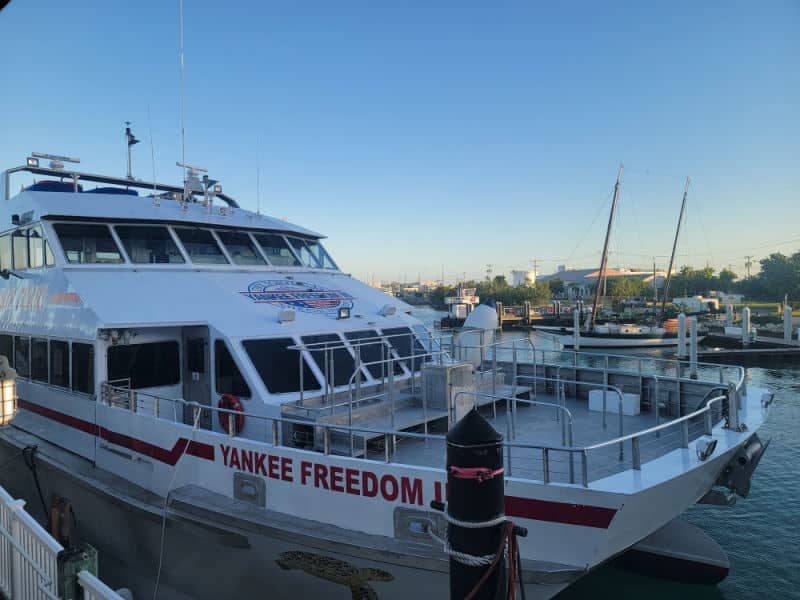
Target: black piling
475, 495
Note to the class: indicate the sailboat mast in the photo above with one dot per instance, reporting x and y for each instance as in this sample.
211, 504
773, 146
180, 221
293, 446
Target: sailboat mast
674, 247
604, 260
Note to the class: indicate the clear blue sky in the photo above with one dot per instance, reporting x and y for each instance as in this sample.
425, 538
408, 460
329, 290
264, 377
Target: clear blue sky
423, 135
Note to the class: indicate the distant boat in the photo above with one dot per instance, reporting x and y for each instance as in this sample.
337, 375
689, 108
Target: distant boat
613, 335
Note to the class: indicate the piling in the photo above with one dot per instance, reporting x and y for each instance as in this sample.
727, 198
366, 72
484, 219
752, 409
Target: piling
787, 323
693, 347
681, 335
745, 326
476, 499
729, 315
576, 327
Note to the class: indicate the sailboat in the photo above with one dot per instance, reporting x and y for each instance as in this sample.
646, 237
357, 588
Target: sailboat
619, 335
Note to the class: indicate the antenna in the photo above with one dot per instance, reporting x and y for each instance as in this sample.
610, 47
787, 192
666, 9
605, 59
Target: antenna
131, 142
183, 129
258, 176
152, 157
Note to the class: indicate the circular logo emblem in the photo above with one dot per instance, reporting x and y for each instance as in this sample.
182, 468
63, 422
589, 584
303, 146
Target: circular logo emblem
299, 295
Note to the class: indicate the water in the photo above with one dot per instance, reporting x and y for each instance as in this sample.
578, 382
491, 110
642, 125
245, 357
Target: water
761, 534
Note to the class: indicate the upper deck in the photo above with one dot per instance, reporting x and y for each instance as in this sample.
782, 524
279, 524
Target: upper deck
66, 194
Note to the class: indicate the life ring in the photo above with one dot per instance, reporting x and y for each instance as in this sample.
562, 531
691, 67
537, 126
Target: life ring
230, 402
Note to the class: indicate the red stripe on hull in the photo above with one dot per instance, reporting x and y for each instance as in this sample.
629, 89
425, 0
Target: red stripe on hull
560, 512
169, 457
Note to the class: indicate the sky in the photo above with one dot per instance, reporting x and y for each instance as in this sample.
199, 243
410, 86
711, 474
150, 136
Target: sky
437, 137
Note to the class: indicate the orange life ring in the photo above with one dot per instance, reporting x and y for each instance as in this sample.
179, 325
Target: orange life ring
231, 402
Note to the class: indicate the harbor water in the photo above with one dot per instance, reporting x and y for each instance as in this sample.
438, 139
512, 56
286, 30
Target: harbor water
760, 534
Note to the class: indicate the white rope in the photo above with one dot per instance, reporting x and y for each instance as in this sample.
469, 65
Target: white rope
499, 520
470, 560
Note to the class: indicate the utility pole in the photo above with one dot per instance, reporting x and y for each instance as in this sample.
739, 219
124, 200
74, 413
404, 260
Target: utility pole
748, 262
655, 286
489, 272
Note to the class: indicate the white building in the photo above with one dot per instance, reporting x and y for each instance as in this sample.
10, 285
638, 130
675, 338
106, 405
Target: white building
520, 278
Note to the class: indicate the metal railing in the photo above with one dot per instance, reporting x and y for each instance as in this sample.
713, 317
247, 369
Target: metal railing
94, 589
28, 554
363, 386
387, 439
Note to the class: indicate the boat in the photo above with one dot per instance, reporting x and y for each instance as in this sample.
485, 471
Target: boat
459, 306
613, 335
619, 335
229, 414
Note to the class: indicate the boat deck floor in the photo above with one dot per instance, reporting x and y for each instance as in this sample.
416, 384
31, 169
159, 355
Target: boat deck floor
538, 425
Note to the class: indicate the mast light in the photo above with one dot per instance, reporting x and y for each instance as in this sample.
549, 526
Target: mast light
32, 162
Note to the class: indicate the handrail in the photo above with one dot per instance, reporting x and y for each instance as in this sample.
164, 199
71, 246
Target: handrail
392, 434
655, 428
669, 361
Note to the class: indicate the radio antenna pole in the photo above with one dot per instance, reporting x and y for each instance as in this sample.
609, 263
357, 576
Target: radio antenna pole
183, 129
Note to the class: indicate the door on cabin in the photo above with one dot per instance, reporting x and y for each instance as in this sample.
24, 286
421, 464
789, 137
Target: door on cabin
196, 374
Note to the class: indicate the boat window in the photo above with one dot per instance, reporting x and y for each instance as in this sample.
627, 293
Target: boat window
59, 363
371, 348
240, 248
227, 375
39, 369
7, 348
49, 259
341, 370
20, 243
278, 367
319, 253
22, 346
35, 247
5, 252
87, 243
401, 341
277, 250
149, 244
146, 365
201, 246
83, 368
302, 250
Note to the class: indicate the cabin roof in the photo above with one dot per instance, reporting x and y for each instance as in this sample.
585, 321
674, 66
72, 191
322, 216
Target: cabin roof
116, 207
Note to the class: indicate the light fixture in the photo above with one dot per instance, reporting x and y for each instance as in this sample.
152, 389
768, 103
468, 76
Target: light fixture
217, 189
8, 392
705, 448
343, 313
33, 162
388, 310
287, 315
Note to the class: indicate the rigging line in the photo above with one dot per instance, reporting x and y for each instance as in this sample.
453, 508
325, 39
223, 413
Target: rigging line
258, 175
589, 229
704, 230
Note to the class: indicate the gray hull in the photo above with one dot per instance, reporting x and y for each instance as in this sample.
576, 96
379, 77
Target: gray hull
210, 553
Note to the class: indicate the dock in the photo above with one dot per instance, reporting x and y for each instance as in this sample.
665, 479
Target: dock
751, 356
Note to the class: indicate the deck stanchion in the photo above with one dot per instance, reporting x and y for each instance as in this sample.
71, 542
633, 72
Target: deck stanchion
693, 347
685, 433
476, 496
546, 465
636, 454
605, 387
585, 468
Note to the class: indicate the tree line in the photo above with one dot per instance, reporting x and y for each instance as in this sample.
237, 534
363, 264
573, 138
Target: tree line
779, 276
